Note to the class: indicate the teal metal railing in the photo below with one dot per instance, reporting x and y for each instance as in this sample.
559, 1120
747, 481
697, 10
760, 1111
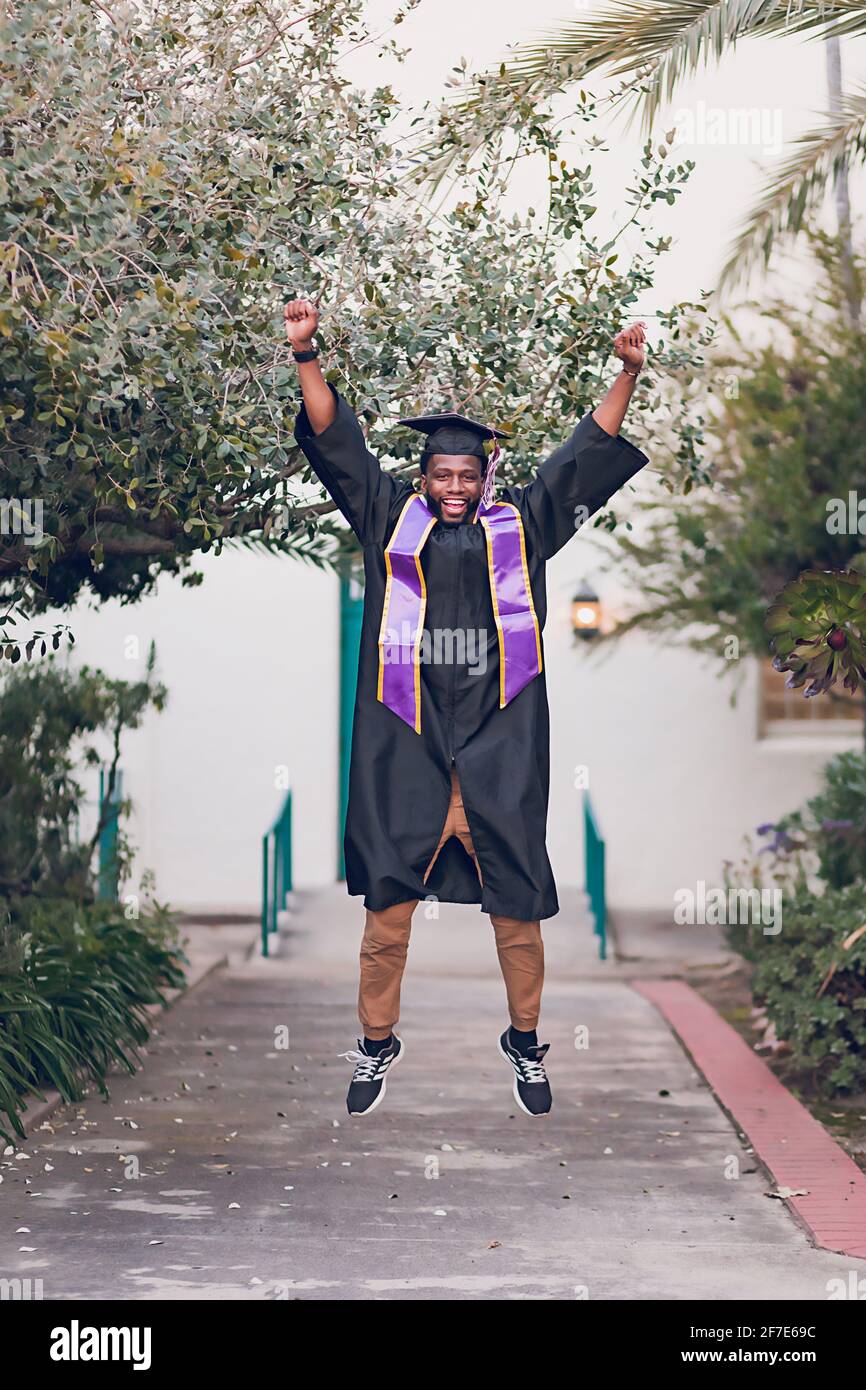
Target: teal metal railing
351, 619
108, 866
276, 869
594, 874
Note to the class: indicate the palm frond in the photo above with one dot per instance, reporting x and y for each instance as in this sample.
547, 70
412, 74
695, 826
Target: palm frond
842, 19
653, 45
798, 186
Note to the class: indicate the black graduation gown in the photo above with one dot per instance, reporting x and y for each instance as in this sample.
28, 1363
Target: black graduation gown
399, 780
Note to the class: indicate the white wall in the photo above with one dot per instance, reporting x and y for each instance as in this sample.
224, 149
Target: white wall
250, 661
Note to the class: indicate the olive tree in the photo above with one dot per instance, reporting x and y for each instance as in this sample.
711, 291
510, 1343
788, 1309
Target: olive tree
170, 172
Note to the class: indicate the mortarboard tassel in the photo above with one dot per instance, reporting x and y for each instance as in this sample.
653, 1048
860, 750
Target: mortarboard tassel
490, 476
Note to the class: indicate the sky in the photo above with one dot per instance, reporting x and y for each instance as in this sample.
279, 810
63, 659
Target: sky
782, 82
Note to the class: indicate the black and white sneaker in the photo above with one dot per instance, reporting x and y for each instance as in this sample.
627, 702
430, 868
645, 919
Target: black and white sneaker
531, 1086
367, 1086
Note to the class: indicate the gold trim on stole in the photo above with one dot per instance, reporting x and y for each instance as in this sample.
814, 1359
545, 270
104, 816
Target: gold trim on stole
387, 604
492, 580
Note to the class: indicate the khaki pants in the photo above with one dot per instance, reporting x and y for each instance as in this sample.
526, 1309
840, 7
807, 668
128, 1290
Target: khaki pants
386, 942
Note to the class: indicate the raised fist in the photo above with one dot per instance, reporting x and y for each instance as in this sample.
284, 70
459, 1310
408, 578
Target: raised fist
302, 320
629, 344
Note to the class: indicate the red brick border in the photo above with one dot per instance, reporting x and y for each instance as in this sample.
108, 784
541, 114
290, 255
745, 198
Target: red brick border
786, 1138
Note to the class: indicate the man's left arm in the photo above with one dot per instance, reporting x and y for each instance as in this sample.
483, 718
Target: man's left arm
579, 477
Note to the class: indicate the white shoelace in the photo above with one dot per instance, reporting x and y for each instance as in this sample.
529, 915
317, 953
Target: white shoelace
531, 1070
366, 1067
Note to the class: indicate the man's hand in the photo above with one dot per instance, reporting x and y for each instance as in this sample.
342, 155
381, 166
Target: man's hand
629, 345
302, 321
629, 348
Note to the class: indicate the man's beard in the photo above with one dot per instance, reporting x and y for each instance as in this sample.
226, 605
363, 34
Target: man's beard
440, 515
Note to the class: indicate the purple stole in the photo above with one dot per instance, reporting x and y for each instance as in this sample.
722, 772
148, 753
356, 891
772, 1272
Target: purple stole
399, 685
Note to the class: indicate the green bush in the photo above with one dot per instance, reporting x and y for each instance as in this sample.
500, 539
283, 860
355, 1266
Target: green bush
76, 974
74, 990
812, 980
834, 821
823, 844
790, 436
54, 725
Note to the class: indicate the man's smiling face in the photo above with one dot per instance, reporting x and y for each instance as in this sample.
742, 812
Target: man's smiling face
452, 484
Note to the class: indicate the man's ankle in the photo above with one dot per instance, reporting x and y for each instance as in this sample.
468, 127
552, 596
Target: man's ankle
373, 1046
522, 1040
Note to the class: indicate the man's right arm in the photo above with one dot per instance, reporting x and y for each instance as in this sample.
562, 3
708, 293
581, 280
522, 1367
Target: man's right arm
302, 320
330, 435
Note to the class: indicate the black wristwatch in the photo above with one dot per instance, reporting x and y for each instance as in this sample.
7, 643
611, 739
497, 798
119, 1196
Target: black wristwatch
307, 355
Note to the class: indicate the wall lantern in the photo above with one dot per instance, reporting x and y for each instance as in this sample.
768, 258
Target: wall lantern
586, 613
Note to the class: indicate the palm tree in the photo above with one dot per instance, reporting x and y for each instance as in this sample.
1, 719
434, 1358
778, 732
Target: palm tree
654, 45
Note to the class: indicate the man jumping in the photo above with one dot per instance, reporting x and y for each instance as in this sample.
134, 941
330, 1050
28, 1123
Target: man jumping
449, 774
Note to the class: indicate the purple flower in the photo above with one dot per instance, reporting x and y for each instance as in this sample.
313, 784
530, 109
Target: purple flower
782, 843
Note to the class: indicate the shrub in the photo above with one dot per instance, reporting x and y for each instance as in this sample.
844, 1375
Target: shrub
834, 821
54, 724
811, 978
823, 844
74, 989
76, 974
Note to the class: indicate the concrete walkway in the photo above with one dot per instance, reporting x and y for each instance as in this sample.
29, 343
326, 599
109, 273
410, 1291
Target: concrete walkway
228, 1167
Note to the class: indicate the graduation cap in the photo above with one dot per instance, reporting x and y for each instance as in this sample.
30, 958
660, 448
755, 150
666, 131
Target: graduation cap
450, 433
